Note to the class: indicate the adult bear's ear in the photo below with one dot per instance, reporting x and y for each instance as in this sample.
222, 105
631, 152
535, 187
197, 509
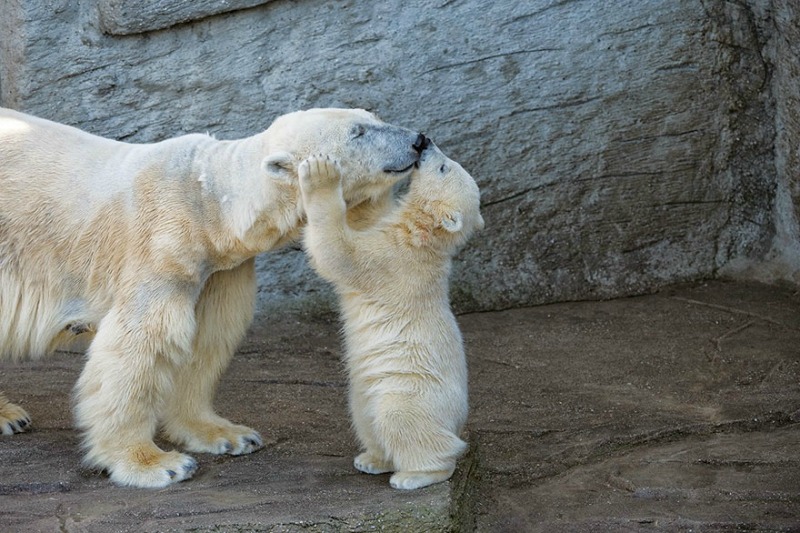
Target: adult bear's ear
452, 221
279, 166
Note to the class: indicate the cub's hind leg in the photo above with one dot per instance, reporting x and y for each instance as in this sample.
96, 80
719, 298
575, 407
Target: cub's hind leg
224, 312
422, 449
373, 459
13, 418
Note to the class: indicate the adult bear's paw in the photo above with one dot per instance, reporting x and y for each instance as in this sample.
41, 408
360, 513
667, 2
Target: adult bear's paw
147, 466
13, 418
217, 436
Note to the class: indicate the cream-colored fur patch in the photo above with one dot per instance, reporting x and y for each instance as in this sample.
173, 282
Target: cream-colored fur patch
146, 251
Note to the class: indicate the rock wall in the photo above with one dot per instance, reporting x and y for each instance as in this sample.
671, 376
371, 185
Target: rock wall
786, 39
777, 25
619, 145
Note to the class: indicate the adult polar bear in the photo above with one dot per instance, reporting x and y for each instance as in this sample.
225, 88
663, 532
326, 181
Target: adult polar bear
150, 249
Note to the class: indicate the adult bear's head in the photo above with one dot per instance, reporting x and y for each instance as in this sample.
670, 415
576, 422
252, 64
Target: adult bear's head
373, 155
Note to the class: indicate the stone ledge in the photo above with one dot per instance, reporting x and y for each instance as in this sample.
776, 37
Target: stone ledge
118, 17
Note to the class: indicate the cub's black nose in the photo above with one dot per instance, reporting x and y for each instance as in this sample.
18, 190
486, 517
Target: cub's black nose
421, 143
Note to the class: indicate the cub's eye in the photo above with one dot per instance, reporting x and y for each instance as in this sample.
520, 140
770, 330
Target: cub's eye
357, 131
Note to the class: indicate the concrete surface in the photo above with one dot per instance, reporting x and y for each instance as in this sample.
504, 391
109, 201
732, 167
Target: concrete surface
620, 145
677, 411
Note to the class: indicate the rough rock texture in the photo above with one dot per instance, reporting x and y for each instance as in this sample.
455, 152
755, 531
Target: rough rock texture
118, 17
787, 150
619, 145
671, 412
778, 26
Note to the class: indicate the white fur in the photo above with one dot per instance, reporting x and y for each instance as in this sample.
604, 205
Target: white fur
147, 250
404, 352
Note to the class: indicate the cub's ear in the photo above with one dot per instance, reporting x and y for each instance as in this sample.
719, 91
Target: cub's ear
279, 166
451, 221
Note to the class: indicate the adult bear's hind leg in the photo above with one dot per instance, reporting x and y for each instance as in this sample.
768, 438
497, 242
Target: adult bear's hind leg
224, 312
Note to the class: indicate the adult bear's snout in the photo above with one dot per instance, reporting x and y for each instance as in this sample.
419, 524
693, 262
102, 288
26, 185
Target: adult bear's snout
421, 143
408, 159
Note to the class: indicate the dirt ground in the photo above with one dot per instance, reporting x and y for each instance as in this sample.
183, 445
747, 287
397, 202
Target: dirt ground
676, 411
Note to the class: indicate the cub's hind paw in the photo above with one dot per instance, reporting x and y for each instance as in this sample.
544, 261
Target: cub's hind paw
371, 464
318, 172
13, 418
416, 480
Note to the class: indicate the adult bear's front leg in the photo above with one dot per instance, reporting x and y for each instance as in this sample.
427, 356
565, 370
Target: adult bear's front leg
224, 312
127, 377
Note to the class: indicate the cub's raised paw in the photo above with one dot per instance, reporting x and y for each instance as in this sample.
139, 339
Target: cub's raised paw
147, 466
13, 418
318, 172
416, 480
371, 464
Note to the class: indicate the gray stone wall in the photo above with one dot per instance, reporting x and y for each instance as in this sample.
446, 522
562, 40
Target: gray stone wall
777, 27
619, 145
786, 60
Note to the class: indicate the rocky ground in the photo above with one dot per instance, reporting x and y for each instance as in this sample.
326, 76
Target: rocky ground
677, 411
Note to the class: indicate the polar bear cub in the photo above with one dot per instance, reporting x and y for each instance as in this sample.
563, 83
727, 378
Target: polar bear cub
404, 353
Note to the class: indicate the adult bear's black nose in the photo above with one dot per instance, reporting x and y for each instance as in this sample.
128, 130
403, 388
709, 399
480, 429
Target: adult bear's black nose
421, 143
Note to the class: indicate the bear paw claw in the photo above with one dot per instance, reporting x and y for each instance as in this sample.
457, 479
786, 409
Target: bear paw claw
248, 444
13, 419
371, 464
220, 438
318, 172
158, 470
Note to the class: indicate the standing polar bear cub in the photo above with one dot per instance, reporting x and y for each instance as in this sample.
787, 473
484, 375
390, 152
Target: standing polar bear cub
147, 250
404, 353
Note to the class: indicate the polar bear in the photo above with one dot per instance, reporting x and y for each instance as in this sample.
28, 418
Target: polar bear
404, 354
147, 251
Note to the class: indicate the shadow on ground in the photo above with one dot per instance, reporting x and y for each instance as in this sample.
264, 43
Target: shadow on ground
672, 412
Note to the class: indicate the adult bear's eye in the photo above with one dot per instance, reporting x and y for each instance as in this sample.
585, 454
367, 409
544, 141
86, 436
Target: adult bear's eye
443, 169
357, 131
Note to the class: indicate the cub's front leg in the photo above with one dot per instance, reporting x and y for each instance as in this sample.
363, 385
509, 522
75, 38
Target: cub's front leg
328, 239
321, 187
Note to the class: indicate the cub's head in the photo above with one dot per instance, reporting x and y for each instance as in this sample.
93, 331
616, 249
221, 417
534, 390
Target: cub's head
442, 203
372, 154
